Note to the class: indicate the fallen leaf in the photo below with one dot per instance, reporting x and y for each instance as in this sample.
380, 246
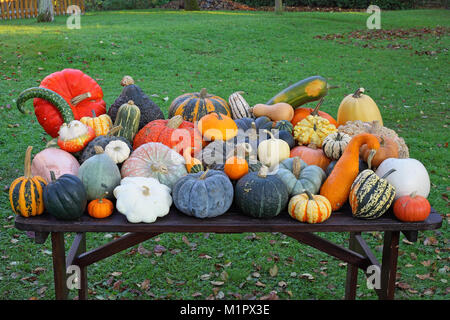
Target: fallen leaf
260, 284
217, 283
273, 271
145, 284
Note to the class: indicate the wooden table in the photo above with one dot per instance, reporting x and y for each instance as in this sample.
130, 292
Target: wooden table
357, 256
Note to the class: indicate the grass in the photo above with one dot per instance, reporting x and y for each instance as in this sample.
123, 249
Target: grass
170, 53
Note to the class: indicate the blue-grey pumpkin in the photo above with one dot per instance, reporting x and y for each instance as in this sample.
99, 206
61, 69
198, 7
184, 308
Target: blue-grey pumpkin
205, 194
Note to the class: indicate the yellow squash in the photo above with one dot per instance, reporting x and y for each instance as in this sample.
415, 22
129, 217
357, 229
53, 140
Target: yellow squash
313, 129
358, 106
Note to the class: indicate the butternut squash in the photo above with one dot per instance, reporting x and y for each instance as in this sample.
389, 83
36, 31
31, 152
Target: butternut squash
276, 112
336, 187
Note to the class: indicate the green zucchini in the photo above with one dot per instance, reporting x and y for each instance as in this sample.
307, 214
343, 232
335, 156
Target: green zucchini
304, 91
48, 95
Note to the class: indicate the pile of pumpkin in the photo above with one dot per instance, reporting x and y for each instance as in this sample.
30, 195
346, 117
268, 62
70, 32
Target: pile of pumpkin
211, 154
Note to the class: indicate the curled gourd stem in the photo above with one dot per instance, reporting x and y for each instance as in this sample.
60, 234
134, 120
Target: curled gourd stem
27, 166
76, 100
203, 93
388, 173
370, 157
100, 200
113, 130
315, 112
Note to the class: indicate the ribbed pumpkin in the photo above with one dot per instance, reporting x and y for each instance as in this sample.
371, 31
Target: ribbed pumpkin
412, 208
371, 196
358, 106
127, 118
309, 208
334, 144
216, 126
26, 192
101, 124
311, 155
174, 133
239, 107
388, 149
193, 106
100, 208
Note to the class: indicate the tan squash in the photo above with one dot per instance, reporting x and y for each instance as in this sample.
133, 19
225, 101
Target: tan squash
358, 106
276, 112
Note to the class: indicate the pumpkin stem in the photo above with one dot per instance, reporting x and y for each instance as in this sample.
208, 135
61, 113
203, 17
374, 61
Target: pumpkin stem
175, 122
146, 191
309, 194
358, 93
126, 81
203, 176
296, 167
130, 102
315, 112
262, 173
52, 176
27, 166
161, 168
93, 114
76, 100
98, 150
413, 194
114, 130
203, 93
388, 173
103, 196
370, 157
270, 133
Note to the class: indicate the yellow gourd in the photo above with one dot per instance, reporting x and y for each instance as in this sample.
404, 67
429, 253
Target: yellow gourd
313, 129
276, 112
358, 106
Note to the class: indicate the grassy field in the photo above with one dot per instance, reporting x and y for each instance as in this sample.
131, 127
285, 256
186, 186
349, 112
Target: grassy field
170, 53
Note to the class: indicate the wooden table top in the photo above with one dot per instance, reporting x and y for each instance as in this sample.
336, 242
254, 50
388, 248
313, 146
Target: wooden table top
230, 222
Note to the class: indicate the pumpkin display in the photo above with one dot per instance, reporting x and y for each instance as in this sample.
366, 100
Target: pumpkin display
101, 124
100, 208
311, 155
239, 107
388, 149
334, 144
118, 151
358, 106
371, 196
336, 187
149, 110
155, 160
272, 151
301, 92
276, 112
205, 194
73, 137
193, 106
410, 176
99, 174
216, 126
26, 192
306, 207
65, 198
174, 133
261, 195
142, 199
313, 129
56, 160
127, 118
412, 208
299, 177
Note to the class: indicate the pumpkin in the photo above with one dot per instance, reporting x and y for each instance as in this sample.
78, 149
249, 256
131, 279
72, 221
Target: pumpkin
73, 137
412, 208
284, 125
101, 124
287, 137
56, 160
313, 129
80, 91
336, 187
301, 92
215, 126
302, 113
241, 150
259, 123
65, 198
205, 194
236, 167
410, 176
118, 151
193, 106
309, 208
261, 195
276, 112
272, 151
99, 174
174, 133
358, 106
155, 160
127, 118
299, 177
334, 145
388, 149
26, 192
239, 107
142, 199
192, 164
149, 110
371, 196
100, 208
311, 155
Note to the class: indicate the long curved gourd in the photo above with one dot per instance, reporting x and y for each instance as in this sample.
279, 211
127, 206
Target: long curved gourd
336, 187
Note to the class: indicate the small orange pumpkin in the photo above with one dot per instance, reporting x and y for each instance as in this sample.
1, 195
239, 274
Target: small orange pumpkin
100, 208
309, 208
388, 149
311, 155
217, 126
412, 208
302, 113
236, 167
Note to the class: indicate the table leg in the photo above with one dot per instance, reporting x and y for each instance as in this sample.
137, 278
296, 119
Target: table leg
83, 291
389, 264
59, 266
352, 273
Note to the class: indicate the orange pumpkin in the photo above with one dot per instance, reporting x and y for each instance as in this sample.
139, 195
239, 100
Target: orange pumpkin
388, 149
100, 208
302, 113
236, 167
311, 155
412, 208
217, 126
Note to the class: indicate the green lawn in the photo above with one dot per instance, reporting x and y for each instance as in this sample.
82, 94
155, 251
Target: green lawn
174, 52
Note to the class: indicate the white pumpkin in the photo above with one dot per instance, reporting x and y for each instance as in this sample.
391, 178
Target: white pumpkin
410, 176
272, 151
142, 199
118, 151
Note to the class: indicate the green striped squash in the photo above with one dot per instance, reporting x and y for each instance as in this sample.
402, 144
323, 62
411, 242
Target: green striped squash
371, 196
127, 118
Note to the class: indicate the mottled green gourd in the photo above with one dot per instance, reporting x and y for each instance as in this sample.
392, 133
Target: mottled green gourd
128, 117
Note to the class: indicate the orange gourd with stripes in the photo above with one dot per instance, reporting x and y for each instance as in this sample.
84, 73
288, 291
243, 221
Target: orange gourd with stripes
101, 124
25, 193
309, 208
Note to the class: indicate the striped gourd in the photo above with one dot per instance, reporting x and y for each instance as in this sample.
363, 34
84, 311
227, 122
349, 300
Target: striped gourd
371, 196
306, 207
334, 144
101, 124
239, 107
25, 193
127, 117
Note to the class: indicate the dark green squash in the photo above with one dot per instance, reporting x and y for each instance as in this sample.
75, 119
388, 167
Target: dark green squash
284, 125
286, 136
127, 119
65, 198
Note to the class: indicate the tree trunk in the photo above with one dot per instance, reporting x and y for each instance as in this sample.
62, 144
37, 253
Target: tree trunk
45, 11
278, 6
191, 5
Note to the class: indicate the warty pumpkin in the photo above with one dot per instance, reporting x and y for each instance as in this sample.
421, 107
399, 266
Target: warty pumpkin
313, 129
358, 106
309, 208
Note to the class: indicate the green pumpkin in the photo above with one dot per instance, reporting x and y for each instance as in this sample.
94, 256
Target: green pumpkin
260, 195
284, 125
127, 118
65, 198
99, 174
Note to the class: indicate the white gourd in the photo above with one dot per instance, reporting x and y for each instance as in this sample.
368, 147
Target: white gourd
117, 150
239, 107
